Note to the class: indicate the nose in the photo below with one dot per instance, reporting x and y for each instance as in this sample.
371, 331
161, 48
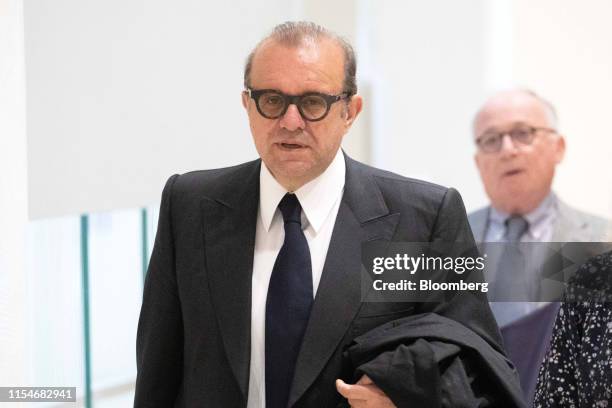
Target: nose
292, 120
508, 146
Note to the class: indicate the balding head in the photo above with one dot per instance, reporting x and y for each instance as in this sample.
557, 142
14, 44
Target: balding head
519, 175
515, 98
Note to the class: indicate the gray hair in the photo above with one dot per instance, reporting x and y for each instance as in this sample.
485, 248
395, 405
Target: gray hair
296, 33
549, 107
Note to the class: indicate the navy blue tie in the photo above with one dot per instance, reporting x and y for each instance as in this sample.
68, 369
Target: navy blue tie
287, 306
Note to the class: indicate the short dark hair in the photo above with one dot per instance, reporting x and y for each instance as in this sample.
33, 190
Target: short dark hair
294, 34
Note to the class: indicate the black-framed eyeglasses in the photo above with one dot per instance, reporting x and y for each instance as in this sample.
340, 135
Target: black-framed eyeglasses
313, 106
491, 141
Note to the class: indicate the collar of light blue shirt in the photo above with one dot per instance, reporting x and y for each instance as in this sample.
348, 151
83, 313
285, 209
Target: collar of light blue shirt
539, 219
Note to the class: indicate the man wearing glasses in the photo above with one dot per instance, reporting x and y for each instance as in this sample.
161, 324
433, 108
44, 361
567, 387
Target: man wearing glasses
253, 291
518, 149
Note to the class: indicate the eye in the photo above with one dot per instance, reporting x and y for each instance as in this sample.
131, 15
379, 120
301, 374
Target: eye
520, 134
272, 100
312, 102
489, 140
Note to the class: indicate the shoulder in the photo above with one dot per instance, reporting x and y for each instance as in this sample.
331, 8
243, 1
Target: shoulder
478, 222
214, 182
577, 225
593, 278
393, 185
478, 215
568, 211
426, 210
216, 178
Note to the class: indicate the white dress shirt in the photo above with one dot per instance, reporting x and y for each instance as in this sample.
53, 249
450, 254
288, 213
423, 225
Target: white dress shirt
320, 201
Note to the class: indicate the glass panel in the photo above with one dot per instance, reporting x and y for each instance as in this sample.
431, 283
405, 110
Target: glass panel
115, 266
54, 304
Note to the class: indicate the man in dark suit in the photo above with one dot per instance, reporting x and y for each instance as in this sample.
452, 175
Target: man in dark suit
253, 258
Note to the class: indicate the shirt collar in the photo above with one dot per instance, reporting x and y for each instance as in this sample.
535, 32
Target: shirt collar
537, 218
317, 197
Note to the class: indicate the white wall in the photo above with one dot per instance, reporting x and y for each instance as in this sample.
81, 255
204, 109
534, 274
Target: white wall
124, 93
13, 195
564, 51
428, 66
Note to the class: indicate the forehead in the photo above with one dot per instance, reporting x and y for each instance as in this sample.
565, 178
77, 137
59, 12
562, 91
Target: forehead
308, 67
507, 109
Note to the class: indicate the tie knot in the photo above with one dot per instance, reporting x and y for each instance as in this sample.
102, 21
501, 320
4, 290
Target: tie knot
516, 226
291, 209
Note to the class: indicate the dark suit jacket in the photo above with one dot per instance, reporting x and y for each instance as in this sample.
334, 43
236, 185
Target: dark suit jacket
427, 360
193, 344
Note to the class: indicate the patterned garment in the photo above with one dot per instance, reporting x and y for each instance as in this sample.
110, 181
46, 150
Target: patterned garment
577, 371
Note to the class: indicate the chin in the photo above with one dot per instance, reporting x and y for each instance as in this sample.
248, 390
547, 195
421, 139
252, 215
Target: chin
294, 169
512, 190
294, 175
514, 202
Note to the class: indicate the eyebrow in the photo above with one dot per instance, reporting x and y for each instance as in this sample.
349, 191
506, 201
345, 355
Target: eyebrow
494, 128
300, 94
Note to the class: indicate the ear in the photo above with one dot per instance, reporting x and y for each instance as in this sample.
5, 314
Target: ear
559, 149
245, 100
353, 109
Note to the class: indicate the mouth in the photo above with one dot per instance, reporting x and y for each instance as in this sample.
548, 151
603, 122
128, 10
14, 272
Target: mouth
290, 146
513, 172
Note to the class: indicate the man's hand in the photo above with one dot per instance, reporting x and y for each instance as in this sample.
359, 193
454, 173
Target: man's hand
364, 394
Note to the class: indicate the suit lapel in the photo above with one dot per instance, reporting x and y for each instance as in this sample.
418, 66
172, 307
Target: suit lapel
229, 218
362, 216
